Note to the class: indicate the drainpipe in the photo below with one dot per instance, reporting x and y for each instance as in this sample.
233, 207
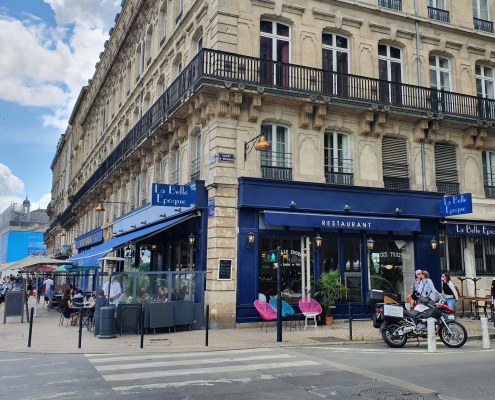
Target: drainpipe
418, 67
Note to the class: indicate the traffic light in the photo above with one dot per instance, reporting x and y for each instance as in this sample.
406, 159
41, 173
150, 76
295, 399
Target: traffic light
271, 256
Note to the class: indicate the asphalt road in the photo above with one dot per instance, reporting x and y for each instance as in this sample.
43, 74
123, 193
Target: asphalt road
334, 372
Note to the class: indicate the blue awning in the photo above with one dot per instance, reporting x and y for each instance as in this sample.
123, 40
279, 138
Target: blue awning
89, 258
329, 221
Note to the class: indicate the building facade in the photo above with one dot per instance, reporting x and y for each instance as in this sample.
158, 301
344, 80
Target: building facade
374, 111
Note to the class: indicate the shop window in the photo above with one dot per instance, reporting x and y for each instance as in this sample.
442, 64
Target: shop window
291, 268
446, 173
337, 159
484, 255
451, 254
394, 162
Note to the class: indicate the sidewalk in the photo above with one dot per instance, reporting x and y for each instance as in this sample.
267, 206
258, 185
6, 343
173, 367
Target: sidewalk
48, 337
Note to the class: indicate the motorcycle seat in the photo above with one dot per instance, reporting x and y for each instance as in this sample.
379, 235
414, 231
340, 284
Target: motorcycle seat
411, 313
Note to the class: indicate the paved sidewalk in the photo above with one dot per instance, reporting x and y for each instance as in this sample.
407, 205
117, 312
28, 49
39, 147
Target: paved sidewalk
48, 337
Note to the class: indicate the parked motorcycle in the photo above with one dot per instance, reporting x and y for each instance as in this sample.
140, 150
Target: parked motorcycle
398, 324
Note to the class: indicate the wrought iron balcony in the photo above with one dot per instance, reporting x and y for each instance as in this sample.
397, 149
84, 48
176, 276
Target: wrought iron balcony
490, 192
339, 178
391, 182
448, 187
438, 14
195, 169
392, 4
280, 173
174, 177
482, 25
276, 165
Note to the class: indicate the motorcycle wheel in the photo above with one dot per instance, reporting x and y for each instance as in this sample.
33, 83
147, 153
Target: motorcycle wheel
393, 340
458, 336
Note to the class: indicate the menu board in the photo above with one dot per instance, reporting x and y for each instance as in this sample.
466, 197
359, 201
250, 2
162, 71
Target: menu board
225, 270
14, 304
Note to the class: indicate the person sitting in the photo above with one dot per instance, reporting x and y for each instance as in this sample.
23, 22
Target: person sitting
67, 309
77, 297
162, 294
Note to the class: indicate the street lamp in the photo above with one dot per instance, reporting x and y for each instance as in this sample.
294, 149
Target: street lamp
370, 243
261, 145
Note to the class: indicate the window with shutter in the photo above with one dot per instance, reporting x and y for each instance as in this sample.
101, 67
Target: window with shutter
394, 163
446, 174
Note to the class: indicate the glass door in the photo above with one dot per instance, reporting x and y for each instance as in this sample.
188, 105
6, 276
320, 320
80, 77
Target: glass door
352, 271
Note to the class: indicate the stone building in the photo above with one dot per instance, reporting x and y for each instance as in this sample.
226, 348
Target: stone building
373, 110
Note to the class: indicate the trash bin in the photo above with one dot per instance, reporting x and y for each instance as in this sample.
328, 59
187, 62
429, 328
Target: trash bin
107, 323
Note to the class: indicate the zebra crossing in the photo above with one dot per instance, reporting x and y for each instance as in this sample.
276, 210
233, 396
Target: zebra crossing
134, 373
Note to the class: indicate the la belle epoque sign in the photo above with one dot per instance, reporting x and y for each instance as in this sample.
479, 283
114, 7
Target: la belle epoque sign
182, 196
470, 229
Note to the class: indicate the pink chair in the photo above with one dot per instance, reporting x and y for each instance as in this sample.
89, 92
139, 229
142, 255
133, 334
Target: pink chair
310, 308
266, 311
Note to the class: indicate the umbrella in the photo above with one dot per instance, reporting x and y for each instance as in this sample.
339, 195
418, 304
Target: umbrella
34, 261
6, 266
37, 270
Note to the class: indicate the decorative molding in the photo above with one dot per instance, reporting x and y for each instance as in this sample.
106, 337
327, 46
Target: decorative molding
293, 9
419, 130
305, 114
377, 125
480, 139
364, 127
321, 112
235, 105
223, 100
468, 137
433, 128
254, 108
326, 16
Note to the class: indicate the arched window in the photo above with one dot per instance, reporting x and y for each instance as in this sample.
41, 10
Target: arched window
274, 50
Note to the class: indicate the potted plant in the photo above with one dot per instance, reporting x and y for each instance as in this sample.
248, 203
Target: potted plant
330, 289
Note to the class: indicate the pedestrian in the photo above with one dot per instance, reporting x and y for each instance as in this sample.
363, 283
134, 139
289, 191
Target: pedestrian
449, 292
416, 288
39, 289
428, 292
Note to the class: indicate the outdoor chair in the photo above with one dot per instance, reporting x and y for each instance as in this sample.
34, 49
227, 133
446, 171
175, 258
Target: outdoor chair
266, 312
287, 312
310, 308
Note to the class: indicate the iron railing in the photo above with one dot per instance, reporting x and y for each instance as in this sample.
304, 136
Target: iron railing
195, 169
174, 177
448, 187
490, 191
391, 182
438, 14
483, 25
279, 173
213, 66
392, 4
339, 178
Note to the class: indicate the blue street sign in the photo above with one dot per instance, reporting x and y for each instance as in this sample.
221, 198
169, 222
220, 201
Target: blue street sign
456, 204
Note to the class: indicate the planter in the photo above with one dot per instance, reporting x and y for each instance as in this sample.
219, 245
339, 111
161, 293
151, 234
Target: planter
329, 320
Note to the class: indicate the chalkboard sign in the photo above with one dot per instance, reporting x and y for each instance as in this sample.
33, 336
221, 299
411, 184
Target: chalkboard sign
225, 270
14, 304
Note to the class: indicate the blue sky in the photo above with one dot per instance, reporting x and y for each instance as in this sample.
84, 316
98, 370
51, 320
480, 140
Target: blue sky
48, 52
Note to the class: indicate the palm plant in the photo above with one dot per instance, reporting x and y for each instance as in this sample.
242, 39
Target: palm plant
330, 289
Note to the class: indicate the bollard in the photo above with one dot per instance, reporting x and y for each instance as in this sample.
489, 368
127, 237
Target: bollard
142, 325
484, 333
80, 329
432, 337
30, 327
350, 322
207, 324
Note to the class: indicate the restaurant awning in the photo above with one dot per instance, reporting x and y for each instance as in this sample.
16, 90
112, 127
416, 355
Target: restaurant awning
91, 257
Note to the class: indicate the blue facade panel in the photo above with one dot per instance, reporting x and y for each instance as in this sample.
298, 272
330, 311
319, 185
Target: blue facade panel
18, 245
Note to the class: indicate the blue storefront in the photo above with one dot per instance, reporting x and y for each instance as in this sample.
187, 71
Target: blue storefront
375, 238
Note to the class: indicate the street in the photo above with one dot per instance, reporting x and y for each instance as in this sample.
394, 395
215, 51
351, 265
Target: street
365, 371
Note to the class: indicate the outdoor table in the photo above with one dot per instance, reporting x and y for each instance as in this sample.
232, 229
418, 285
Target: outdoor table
86, 315
474, 301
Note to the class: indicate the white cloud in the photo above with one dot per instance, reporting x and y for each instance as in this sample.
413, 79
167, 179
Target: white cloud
46, 66
42, 202
11, 188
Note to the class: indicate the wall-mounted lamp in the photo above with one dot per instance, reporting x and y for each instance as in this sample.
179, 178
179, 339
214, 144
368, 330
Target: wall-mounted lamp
101, 207
318, 241
347, 208
261, 145
293, 204
251, 237
398, 211
433, 244
191, 239
370, 243
127, 251
143, 250
389, 266
154, 247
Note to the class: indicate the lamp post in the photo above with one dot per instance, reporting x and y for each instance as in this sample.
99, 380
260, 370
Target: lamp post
279, 294
370, 244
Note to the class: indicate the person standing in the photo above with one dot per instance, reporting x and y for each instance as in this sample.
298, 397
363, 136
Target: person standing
428, 291
416, 289
114, 293
48, 282
449, 292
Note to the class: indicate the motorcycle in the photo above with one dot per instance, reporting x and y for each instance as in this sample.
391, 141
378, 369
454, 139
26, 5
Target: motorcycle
398, 324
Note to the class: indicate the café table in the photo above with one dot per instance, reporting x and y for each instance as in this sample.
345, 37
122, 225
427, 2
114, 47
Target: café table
475, 304
86, 313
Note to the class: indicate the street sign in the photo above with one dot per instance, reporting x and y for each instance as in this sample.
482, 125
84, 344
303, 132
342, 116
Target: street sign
456, 204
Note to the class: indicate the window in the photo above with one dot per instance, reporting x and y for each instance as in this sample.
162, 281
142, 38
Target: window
394, 163
196, 158
481, 16
446, 174
175, 168
440, 80
390, 70
274, 50
337, 159
277, 163
484, 255
437, 11
179, 5
335, 58
162, 23
148, 49
485, 91
199, 46
392, 4
451, 259
489, 173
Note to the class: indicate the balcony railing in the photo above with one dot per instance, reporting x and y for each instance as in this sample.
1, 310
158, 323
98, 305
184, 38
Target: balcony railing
339, 178
438, 14
195, 169
392, 4
280, 173
490, 192
213, 66
448, 187
482, 25
391, 182
174, 177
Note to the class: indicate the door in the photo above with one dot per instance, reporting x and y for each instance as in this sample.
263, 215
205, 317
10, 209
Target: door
390, 74
274, 53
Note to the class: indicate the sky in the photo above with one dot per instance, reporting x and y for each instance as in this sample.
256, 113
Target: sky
48, 51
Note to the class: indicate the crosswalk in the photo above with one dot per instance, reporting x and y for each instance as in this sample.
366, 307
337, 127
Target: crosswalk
136, 373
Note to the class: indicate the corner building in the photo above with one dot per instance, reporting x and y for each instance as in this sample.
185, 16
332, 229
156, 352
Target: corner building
374, 110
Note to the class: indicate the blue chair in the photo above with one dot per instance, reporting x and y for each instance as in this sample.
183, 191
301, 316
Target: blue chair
287, 311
